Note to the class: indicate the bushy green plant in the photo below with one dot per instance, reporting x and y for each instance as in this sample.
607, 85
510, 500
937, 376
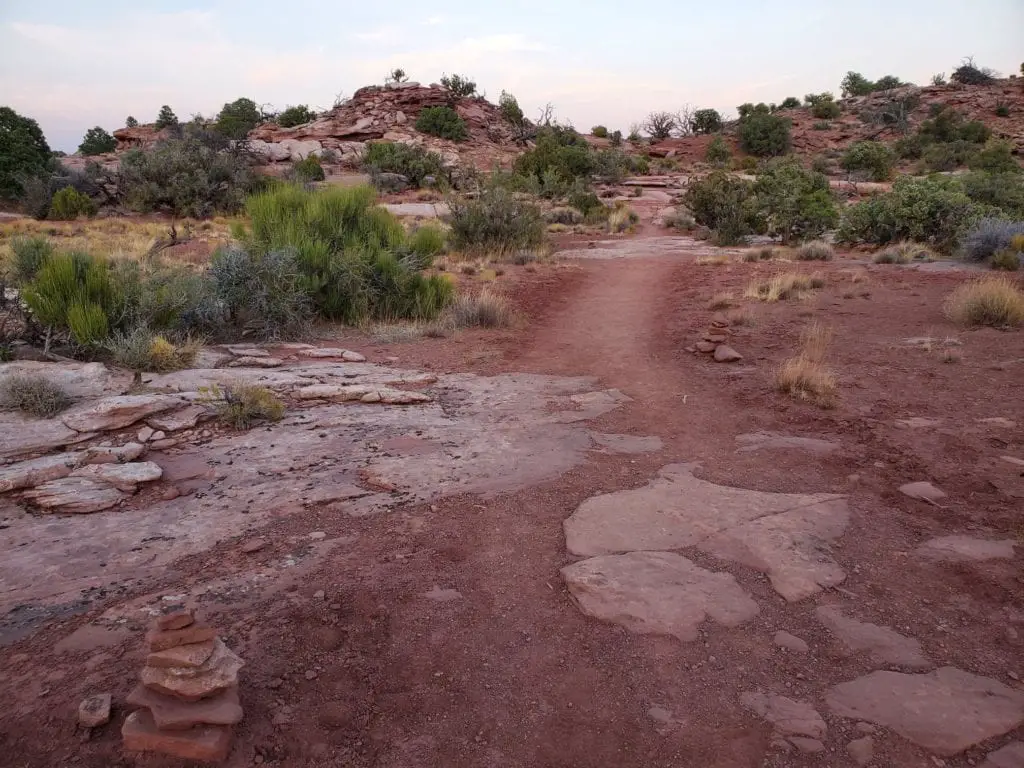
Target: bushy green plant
68, 204
97, 142
165, 118
792, 202
237, 118
24, 152
442, 121
968, 73
35, 395
414, 163
995, 157
826, 109
425, 242
308, 170
616, 138
561, 154
176, 300
1004, 191
131, 122
461, 87
718, 151
724, 204
949, 156
790, 102
934, 210
764, 135
871, 156
512, 114
495, 222
611, 166
706, 121
142, 350
80, 294
855, 84
185, 177
30, 253
975, 132
584, 200
1002, 109
599, 131
297, 115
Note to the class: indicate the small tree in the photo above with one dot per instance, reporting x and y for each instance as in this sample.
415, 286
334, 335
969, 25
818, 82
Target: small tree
871, 156
968, 73
659, 125
131, 122
461, 87
97, 142
299, 115
397, 75
237, 118
443, 122
887, 83
793, 202
764, 135
939, 78
718, 151
790, 102
166, 118
706, 121
855, 84
23, 152
599, 131
512, 114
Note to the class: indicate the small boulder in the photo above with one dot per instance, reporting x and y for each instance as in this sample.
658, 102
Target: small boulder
861, 750
923, 491
726, 354
94, 711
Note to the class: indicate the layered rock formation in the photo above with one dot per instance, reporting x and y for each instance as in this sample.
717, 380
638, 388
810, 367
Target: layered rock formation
188, 696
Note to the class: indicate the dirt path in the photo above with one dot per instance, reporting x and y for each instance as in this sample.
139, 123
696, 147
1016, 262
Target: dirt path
446, 635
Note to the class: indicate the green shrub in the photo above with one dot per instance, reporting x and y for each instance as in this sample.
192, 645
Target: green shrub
79, 294
237, 118
826, 109
131, 122
414, 163
244, 406
855, 84
68, 204
512, 114
297, 115
816, 250
165, 118
934, 210
793, 203
308, 170
718, 151
724, 204
185, 177
461, 87
142, 350
871, 156
97, 142
584, 200
949, 156
986, 237
567, 216
599, 131
616, 138
1002, 109
34, 395
790, 102
30, 253
264, 295
559, 158
24, 152
426, 242
443, 122
1004, 191
495, 222
706, 121
995, 157
764, 135
975, 132
970, 74
820, 164
824, 126
350, 253
1007, 260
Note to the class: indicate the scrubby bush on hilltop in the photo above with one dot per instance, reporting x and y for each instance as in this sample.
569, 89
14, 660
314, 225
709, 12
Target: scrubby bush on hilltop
460, 86
764, 135
873, 157
790, 102
659, 125
443, 122
793, 203
706, 121
24, 152
496, 222
237, 118
968, 73
97, 142
414, 163
165, 118
297, 115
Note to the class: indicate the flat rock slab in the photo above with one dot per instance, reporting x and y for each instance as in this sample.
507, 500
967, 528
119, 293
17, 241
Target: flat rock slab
770, 441
332, 352
124, 477
945, 711
174, 421
628, 444
884, 644
657, 593
918, 422
173, 714
1010, 756
256, 362
218, 673
788, 716
79, 380
77, 495
783, 535
23, 435
116, 412
923, 491
962, 549
208, 743
28, 474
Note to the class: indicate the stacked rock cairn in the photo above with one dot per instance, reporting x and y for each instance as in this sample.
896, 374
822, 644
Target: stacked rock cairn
188, 696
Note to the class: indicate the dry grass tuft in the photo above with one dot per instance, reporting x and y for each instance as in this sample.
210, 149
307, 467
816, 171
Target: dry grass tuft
243, 407
484, 310
712, 260
721, 300
741, 316
904, 253
816, 250
993, 301
34, 395
805, 376
787, 285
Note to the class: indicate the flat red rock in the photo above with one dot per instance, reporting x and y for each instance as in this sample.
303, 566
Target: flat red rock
161, 640
176, 620
192, 655
209, 743
171, 714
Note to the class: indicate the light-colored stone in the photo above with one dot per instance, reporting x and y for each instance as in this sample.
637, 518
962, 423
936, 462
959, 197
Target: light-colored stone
175, 421
94, 711
884, 644
171, 714
111, 454
726, 354
176, 620
862, 750
789, 716
192, 655
337, 392
628, 444
116, 412
945, 711
77, 495
807, 745
163, 639
218, 673
1009, 756
209, 743
439, 595
790, 642
998, 421
657, 593
124, 477
248, 351
922, 491
770, 441
960, 549
144, 434
317, 353
256, 362
918, 422
22, 435
30, 473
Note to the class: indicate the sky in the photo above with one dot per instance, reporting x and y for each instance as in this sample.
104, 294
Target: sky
72, 64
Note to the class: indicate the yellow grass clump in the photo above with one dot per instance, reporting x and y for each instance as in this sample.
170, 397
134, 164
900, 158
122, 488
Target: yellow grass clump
994, 301
806, 376
787, 285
